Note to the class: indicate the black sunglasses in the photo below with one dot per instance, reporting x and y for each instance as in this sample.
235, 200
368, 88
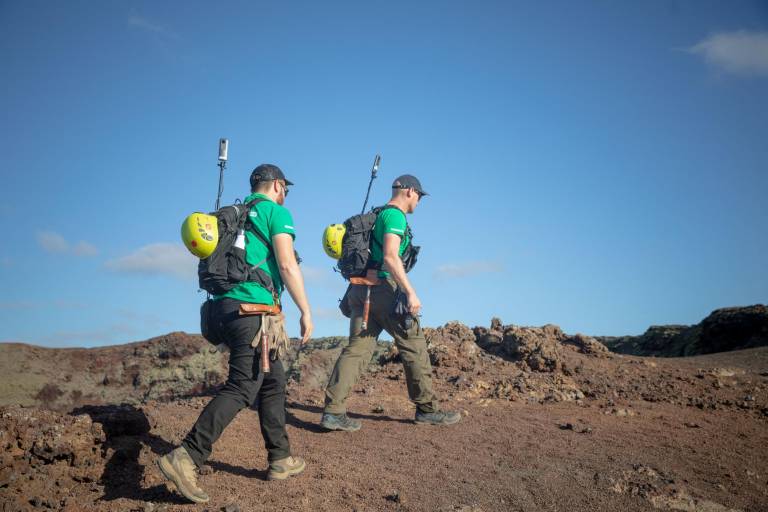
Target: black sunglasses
420, 194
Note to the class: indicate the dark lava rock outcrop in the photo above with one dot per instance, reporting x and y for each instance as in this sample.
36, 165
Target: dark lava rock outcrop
45, 454
100, 451
725, 329
452, 345
512, 362
538, 347
165, 367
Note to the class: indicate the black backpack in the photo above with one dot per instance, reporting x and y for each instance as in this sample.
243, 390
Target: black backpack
226, 267
356, 245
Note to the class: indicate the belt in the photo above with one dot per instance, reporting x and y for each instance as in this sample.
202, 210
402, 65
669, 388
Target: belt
365, 281
259, 309
371, 278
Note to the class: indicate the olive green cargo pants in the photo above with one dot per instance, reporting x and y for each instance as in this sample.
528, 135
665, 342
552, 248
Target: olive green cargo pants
355, 357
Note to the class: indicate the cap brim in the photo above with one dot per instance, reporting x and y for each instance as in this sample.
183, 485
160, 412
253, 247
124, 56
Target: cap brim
289, 183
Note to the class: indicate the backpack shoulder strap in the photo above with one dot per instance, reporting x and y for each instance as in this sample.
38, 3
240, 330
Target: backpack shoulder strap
249, 225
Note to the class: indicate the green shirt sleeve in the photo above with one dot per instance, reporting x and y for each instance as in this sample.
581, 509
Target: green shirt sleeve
393, 221
280, 221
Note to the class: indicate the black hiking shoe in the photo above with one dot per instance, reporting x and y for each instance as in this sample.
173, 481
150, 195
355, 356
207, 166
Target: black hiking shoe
339, 422
437, 418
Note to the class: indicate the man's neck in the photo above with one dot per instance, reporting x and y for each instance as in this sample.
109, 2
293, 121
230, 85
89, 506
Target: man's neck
269, 195
400, 204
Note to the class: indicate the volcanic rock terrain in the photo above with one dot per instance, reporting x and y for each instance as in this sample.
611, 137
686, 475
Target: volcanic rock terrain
723, 330
552, 421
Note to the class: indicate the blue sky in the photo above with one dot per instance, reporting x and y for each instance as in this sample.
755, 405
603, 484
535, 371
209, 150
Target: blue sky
598, 165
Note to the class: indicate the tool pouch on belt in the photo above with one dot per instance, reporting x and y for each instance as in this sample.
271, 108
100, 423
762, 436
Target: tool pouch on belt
274, 327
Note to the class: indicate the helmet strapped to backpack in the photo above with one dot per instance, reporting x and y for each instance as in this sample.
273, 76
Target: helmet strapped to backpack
226, 267
332, 239
200, 235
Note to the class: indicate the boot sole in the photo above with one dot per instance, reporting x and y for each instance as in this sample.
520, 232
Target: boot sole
342, 429
282, 475
170, 474
445, 423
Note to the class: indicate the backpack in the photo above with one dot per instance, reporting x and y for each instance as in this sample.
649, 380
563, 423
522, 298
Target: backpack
226, 267
356, 245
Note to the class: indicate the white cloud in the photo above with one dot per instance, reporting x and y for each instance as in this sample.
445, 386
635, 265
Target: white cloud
157, 259
142, 23
84, 249
470, 268
54, 243
738, 52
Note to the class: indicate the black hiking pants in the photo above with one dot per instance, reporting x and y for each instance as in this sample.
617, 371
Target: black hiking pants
245, 385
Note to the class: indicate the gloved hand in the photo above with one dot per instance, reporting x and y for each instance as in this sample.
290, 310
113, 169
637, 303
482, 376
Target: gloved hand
402, 311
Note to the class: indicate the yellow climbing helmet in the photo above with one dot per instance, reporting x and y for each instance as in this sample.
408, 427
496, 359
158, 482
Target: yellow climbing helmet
332, 237
200, 233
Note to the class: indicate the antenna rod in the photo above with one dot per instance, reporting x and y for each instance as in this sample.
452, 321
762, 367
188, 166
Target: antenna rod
374, 170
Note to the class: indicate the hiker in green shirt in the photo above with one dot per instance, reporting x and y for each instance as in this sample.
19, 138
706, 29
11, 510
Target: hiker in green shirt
237, 318
390, 239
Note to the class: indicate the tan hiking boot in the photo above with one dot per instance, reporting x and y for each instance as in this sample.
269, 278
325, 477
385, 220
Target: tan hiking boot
179, 468
283, 468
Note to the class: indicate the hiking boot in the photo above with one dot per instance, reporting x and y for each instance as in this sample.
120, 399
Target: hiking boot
339, 422
283, 468
179, 468
437, 418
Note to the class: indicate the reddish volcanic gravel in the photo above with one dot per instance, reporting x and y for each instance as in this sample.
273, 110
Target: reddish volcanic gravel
551, 422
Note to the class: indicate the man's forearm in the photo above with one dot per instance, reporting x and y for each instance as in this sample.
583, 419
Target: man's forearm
294, 283
394, 265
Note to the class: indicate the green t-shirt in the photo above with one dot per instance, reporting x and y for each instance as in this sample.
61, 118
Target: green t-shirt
391, 220
270, 219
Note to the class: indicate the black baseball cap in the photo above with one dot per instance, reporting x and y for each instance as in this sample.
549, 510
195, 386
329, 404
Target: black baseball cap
267, 172
408, 181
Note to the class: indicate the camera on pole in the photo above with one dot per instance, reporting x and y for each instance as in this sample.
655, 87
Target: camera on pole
223, 148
